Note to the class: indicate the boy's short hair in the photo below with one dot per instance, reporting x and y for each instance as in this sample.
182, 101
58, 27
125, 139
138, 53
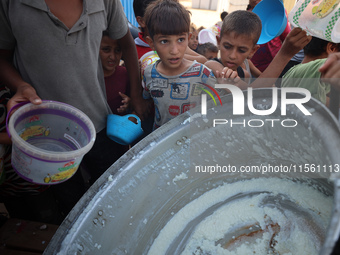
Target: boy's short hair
167, 17
316, 47
223, 15
139, 7
203, 48
242, 23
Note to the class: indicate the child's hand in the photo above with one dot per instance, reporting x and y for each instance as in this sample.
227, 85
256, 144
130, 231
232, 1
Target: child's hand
126, 102
226, 73
331, 70
4, 138
24, 93
229, 76
295, 41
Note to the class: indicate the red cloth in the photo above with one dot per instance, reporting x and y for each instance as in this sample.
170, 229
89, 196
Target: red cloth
265, 54
141, 50
117, 82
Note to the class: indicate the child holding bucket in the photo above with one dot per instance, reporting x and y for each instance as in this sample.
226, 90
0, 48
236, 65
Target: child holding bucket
22, 199
117, 82
71, 72
239, 34
266, 52
173, 82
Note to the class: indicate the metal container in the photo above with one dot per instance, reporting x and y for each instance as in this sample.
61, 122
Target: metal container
124, 211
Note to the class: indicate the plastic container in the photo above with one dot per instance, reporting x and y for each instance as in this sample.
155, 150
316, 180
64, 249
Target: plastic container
148, 59
273, 18
207, 35
216, 29
49, 141
125, 210
318, 18
123, 129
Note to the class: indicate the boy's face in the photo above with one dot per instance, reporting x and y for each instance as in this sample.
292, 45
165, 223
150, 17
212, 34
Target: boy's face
171, 50
193, 40
210, 54
110, 55
234, 49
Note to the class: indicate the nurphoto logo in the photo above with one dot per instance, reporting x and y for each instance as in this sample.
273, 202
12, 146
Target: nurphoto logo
239, 106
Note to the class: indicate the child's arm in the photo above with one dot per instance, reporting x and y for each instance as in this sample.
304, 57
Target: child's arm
192, 55
215, 66
296, 40
4, 138
255, 72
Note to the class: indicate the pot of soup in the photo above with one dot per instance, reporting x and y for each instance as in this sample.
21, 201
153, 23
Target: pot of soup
218, 183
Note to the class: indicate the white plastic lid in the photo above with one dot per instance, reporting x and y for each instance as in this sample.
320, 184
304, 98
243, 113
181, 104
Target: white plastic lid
206, 35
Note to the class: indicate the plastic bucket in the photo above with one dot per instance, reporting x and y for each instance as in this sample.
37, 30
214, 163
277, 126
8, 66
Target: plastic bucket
123, 129
318, 18
207, 35
273, 18
49, 141
148, 59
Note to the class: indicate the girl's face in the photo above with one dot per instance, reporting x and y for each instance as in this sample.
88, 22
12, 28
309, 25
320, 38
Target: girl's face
193, 40
234, 49
110, 55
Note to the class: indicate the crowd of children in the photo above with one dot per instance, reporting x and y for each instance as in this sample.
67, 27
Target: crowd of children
171, 85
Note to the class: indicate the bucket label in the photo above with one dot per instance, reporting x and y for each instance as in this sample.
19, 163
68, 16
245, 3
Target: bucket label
34, 131
65, 173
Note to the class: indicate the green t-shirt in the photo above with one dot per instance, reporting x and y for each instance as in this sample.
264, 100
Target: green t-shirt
308, 76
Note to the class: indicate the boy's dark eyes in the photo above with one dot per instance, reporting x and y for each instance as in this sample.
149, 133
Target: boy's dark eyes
241, 50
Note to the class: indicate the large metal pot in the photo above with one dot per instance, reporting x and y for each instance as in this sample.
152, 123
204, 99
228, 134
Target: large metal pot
124, 211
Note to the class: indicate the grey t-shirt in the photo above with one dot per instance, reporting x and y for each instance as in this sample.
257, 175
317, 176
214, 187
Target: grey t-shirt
62, 64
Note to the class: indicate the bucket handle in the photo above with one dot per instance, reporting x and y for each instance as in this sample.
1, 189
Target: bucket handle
9, 113
128, 116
